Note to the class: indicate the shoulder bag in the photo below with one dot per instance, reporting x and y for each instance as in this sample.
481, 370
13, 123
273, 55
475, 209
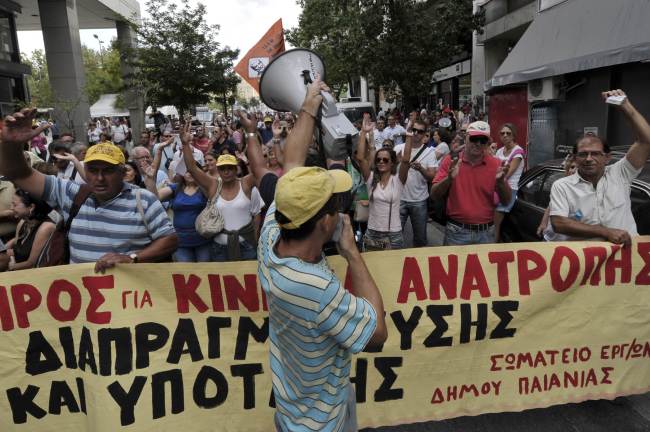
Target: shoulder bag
210, 221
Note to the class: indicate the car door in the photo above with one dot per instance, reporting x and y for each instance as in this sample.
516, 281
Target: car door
532, 199
640, 209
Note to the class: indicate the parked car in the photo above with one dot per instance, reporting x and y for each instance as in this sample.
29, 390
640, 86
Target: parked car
534, 196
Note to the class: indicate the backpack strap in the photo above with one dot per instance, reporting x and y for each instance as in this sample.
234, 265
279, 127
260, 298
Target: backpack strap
138, 203
82, 195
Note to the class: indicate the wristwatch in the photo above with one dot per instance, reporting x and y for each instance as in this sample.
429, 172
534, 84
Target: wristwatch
134, 257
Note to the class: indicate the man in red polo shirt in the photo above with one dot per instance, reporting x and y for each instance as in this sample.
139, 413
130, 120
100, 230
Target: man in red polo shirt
469, 181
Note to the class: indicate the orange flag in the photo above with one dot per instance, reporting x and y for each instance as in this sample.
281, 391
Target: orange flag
257, 58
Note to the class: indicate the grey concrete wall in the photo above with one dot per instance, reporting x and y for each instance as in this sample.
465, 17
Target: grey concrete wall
60, 27
132, 97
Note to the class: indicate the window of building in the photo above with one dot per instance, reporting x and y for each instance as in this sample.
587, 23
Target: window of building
6, 39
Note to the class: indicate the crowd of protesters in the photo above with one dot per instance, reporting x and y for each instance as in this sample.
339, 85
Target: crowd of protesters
407, 168
196, 193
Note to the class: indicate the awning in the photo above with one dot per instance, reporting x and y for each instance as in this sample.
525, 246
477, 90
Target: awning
578, 35
105, 107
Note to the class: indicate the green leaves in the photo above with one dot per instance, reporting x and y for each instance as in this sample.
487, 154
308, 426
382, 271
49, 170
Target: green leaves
179, 60
397, 44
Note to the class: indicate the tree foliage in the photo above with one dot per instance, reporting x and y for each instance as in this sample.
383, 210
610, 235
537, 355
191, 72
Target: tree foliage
39, 80
397, 44
103, 73
178, 60
102, 70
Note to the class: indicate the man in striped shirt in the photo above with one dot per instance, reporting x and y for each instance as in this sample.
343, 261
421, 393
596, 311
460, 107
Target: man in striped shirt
315, 324
117, 223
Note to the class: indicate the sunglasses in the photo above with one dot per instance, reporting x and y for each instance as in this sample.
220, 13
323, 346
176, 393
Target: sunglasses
418, 131
478, 140
506, 133
382, 160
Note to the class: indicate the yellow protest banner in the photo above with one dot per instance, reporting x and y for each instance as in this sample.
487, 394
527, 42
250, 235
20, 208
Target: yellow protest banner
472, 330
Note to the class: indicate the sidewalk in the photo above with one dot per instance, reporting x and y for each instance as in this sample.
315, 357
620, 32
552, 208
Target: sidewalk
629, 414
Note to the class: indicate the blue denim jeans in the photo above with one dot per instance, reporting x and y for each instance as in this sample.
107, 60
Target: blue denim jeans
246, 251
455, 235
201, 253
396, 239
419, 214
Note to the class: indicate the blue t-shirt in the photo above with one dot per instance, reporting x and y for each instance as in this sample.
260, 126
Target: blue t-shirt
186, 210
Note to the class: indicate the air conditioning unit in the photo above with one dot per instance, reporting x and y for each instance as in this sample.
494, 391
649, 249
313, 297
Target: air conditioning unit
545, 89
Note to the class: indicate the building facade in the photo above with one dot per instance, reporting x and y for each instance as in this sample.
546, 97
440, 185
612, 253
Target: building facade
60, 21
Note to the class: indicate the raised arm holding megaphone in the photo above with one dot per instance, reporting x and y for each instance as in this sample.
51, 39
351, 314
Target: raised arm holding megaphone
283, 87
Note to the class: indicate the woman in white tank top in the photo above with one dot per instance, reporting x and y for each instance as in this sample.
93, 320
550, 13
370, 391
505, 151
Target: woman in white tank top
239, 202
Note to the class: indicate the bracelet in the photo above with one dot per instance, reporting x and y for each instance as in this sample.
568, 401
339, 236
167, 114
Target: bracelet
307, 112
276, 140
251, 135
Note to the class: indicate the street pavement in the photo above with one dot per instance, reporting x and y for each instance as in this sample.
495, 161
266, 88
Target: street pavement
625, 414
628, 414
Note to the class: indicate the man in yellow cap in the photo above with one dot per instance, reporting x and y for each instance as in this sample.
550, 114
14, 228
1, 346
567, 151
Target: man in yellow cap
315, 324
116, 223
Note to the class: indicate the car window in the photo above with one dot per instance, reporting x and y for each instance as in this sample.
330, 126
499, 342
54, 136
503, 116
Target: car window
537, 190
640, 208
544, 197
528, 191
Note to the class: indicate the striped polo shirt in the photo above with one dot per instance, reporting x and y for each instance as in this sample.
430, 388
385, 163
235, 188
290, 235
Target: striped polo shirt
113, 226
314, 327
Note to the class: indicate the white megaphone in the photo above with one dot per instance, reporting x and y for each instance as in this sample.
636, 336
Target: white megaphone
283, 87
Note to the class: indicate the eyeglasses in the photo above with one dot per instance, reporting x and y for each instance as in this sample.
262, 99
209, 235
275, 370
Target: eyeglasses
586, 154
506, 133
478, 140
418, 131
382, 160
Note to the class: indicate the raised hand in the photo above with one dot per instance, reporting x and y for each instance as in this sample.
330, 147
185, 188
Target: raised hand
313, 98
165, 143
617, 92
249, 124
367, 126
18, 127
277, 130
186, 134
65, 156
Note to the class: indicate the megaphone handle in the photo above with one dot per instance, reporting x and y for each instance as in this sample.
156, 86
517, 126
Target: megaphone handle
306, 76
329, 104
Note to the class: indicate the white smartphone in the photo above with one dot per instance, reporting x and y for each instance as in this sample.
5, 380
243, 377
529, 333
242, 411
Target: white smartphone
339, 229
615, 100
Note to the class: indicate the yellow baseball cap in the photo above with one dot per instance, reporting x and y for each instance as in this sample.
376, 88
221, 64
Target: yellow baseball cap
303, 191
105, 152
226, 160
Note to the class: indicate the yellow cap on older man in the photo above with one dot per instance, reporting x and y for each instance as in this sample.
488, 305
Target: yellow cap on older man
105, 152
303, 191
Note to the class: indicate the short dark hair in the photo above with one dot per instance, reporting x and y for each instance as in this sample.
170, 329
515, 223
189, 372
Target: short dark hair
58, 146
591, 138
303, 231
